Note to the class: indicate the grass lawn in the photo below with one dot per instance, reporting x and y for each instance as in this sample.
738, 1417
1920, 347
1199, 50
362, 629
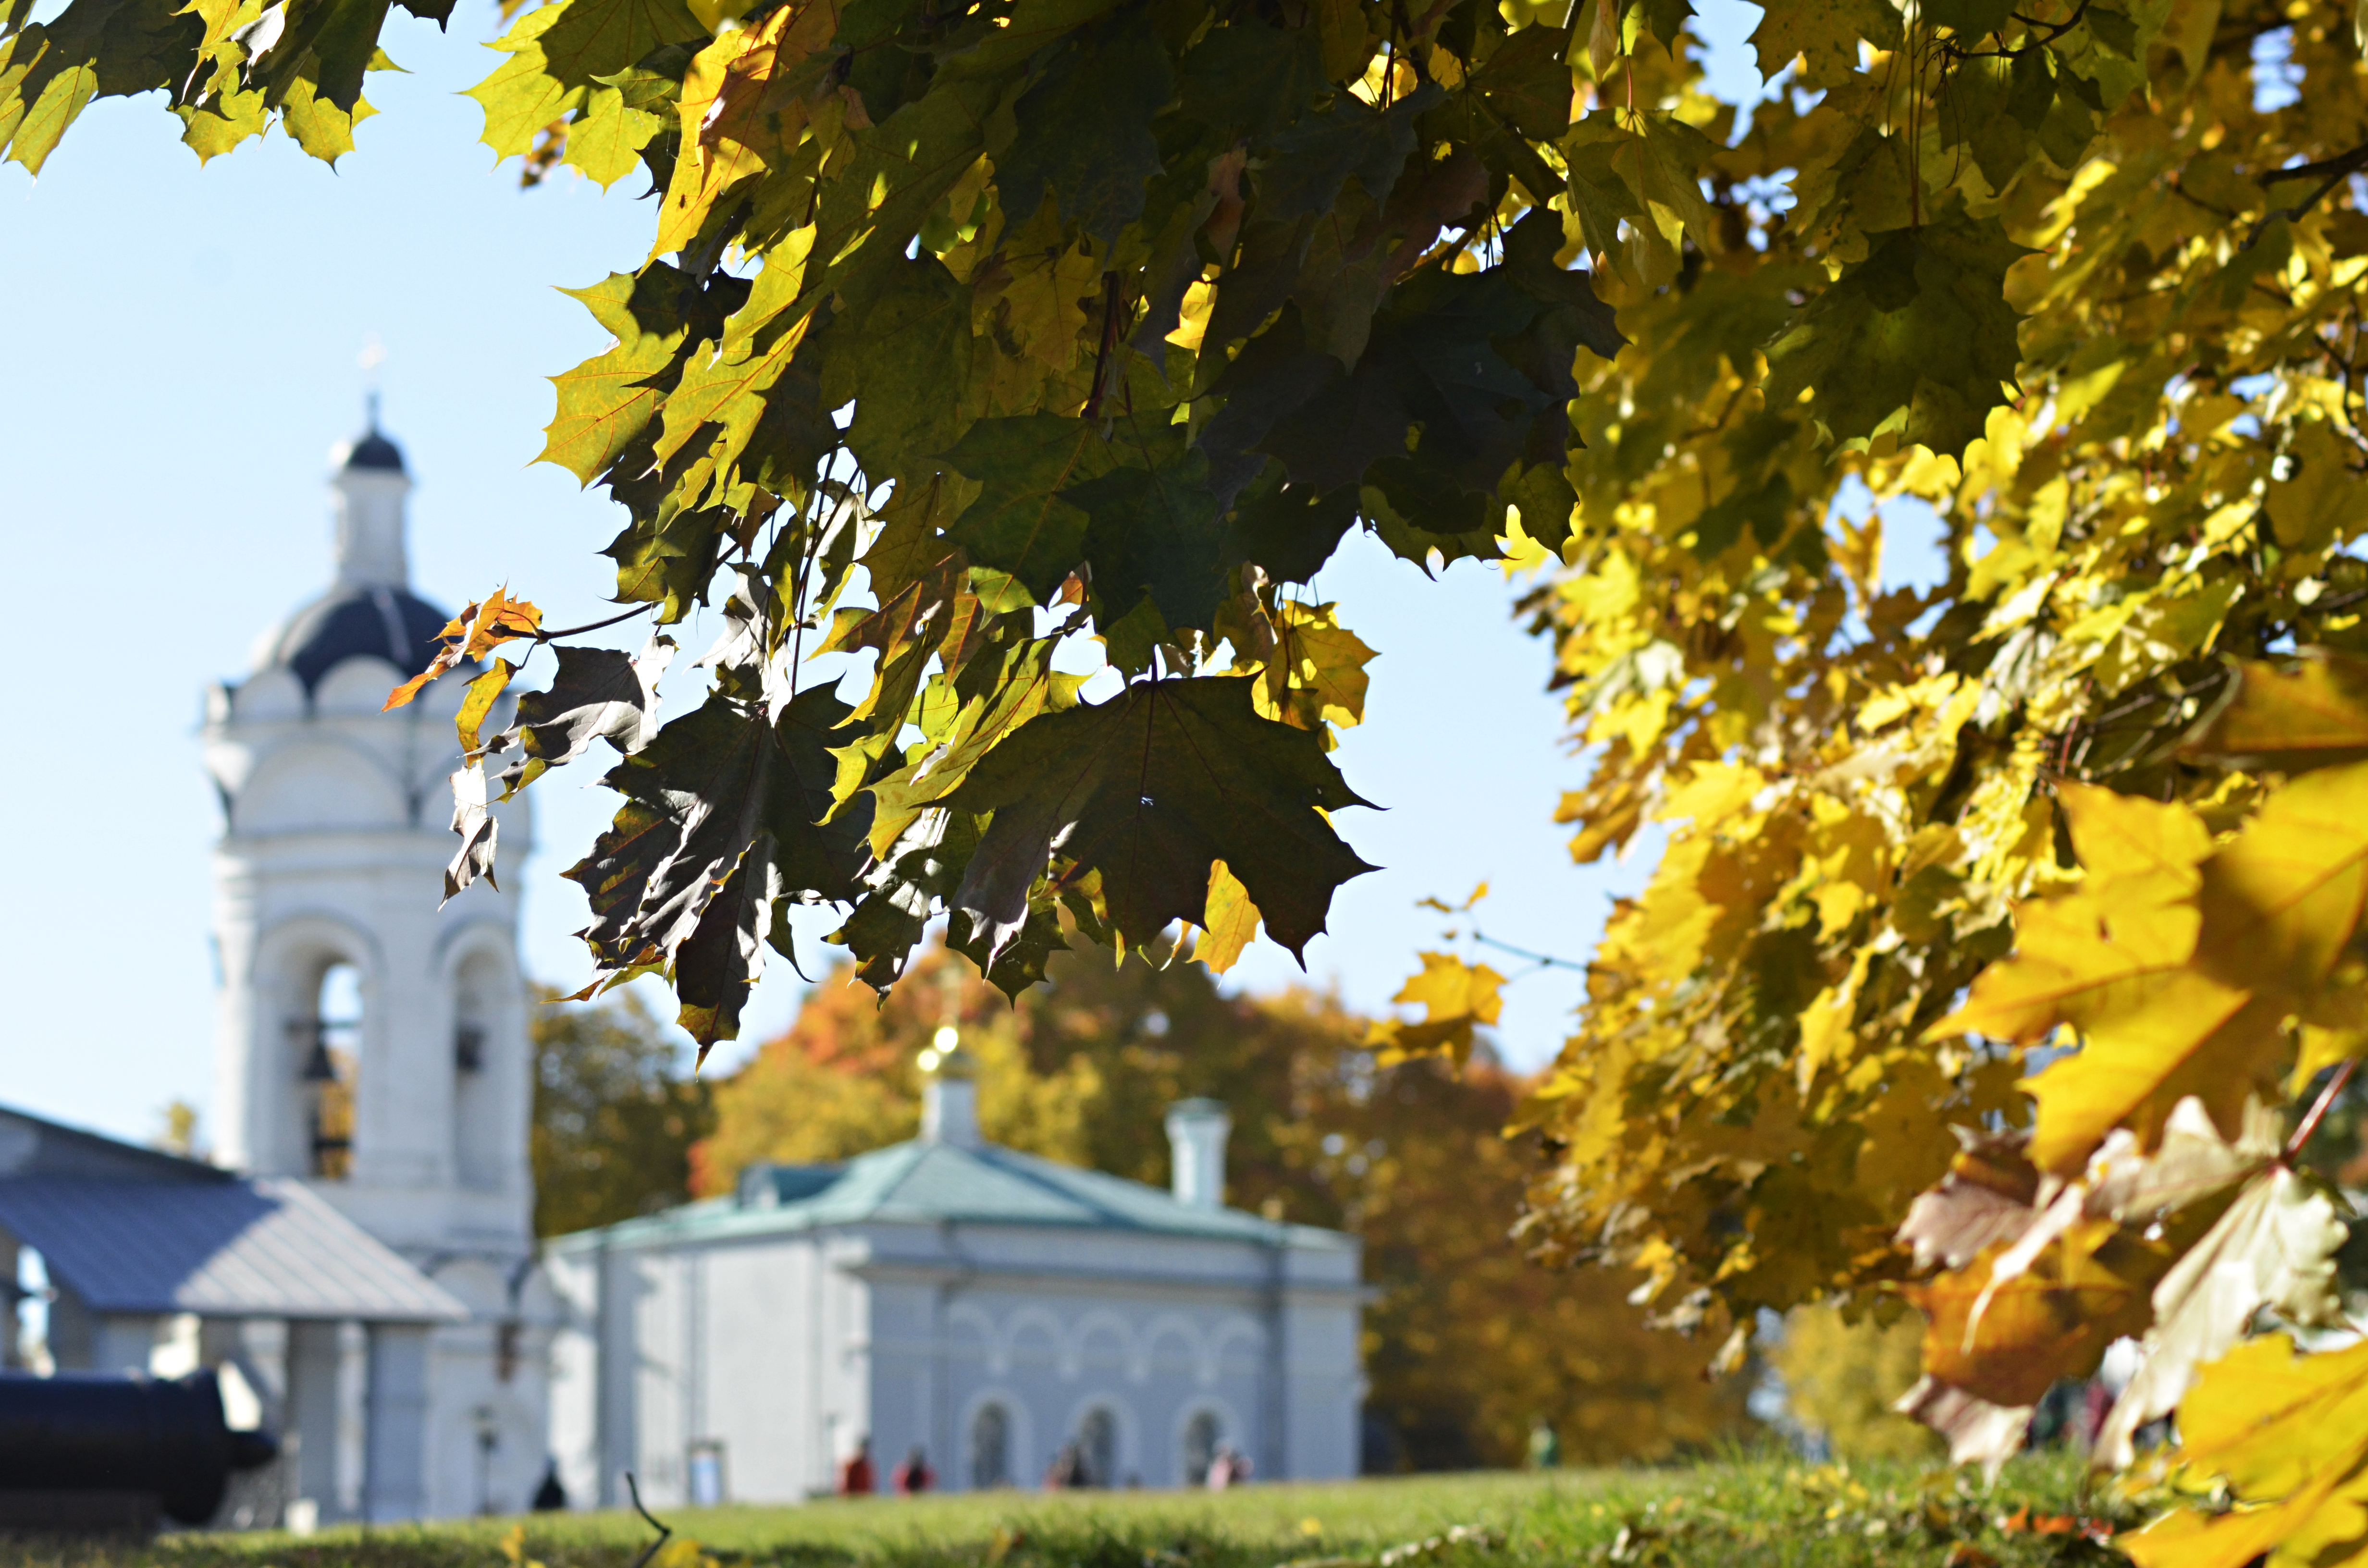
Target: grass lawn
1707, 1515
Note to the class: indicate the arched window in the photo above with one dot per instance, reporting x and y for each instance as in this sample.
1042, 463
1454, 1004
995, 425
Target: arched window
332, 1042
1201, 1436
990, 1448
1098, 1446
481, 1140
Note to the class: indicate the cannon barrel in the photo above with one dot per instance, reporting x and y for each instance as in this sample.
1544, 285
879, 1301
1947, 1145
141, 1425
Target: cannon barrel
161, 1438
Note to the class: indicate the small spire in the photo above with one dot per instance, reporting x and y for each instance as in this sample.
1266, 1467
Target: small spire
948, 1092
370, 525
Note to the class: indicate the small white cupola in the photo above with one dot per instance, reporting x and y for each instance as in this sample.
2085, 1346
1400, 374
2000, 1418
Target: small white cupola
1196, 1131
370, 485
948, 1092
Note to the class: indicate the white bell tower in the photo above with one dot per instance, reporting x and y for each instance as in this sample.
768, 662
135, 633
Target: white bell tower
371, 1042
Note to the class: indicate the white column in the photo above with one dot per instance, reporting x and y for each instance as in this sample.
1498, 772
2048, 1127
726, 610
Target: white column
394, 1449
312, 1413
1197, 1131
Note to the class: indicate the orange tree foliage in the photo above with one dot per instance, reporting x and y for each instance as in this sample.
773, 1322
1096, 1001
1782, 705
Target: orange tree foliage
1469, 1343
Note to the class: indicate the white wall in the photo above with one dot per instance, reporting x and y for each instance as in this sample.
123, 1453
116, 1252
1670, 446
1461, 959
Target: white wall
787, 1346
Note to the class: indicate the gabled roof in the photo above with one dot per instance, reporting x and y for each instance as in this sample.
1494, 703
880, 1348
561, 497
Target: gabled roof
936, 1183
34, 1145
260, 1247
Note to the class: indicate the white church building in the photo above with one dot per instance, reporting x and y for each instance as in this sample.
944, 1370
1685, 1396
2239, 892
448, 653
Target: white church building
372, 1046
983, 1306
371, 1272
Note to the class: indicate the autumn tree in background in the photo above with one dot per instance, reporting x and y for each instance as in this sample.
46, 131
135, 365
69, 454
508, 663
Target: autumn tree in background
616, 1114
1842, 1379
1468, 1344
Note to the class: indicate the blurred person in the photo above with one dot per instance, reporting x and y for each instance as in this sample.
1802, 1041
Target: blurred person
855, 1478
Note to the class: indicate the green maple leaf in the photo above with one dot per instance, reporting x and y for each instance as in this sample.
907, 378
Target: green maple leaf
1249, 79
1085, 131
1154, 533
1020, 522
996, 702
905, 361
1149, 790
607, 400
558, 54
49, 73
1824, 35
605, 140
1918, 339
598, 694
721, 823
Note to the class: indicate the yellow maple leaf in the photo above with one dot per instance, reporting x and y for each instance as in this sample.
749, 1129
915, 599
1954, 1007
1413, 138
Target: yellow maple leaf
2311, 716
745, 105
476, 631
2289, 1435
1457, 998
1229, 923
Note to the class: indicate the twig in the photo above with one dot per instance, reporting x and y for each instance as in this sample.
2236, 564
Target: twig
1109, 346
2055, 30
2318, 1109
2337, 171
664, 1531
590, 626
1543, 961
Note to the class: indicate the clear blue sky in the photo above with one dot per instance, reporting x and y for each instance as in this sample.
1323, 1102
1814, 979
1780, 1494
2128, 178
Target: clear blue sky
184, 352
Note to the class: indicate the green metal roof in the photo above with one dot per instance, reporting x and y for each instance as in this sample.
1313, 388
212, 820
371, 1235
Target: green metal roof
925, 1182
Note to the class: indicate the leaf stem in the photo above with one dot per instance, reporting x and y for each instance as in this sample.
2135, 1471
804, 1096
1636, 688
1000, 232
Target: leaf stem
2319, 1107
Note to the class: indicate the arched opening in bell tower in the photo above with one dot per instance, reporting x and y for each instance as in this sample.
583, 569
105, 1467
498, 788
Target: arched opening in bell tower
331, 1069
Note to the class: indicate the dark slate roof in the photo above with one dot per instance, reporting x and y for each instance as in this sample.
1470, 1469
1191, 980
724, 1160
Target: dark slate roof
32, 1145
265, 1247
372, 450
927, 1183
394, 624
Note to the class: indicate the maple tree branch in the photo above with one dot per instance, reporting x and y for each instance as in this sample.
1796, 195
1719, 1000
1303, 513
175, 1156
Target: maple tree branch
2337, 170
2318, 1110
2057, 31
